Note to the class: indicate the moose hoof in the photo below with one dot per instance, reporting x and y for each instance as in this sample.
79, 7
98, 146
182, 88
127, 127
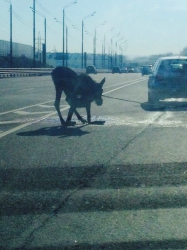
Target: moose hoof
69, 123
84, 121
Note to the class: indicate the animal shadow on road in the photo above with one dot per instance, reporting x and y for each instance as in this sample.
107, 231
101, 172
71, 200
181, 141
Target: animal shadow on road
60, 131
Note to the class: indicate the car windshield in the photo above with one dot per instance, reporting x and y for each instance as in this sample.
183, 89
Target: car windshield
93, 124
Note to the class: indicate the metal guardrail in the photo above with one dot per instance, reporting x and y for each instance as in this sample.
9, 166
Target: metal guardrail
20, 72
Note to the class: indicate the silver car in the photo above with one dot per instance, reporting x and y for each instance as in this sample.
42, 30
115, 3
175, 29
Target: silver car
168, 79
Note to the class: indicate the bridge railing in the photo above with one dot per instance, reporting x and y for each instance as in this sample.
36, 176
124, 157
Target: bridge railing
19, 72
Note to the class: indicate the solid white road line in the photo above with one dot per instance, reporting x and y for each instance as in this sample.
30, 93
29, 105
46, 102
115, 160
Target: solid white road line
53, 113
29, 123
31, 106
43, 103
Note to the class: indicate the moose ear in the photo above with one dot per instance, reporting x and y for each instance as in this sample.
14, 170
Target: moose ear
102, 82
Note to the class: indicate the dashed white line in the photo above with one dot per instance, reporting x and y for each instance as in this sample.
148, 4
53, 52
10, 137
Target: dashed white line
22, 112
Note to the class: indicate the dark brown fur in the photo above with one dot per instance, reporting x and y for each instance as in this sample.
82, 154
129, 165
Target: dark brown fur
80, 91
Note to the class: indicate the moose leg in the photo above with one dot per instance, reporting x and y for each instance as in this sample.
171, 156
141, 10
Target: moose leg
80, 117
57, 103
88, 110
68, 120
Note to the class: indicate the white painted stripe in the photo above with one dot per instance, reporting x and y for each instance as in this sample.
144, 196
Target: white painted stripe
53, 113
131, 81
43, 103
31, 106
25, 89
27, 124
47, 106
16, 121
22, 112
137, 81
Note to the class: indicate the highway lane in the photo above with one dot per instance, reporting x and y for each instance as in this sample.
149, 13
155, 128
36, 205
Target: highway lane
118, 178
23, 94
132, 130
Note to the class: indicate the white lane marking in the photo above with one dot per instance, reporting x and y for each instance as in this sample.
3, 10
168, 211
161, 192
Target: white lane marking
131, 81
52, 113
25, 89
137, 81
15, 121
28, 123
47, 106
22, 112
31, 106
43, 103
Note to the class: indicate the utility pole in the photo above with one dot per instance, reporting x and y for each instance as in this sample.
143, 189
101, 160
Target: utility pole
34, 47
63, 40
82, 60
63, 31
66, 46
94, 51
44, 45
10, 35
45, 39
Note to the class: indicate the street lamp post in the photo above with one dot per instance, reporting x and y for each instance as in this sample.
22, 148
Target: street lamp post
94, 58
45, 39
117, 49
63, 46
45, 46
10, 35
34, 35
9, 1
82, 59
121, 47
111, 48
66, 45
104, 48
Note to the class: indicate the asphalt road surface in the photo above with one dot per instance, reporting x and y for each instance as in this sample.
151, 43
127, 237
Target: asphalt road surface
118, 183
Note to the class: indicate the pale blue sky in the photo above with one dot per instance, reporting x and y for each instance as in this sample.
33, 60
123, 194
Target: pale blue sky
149, 26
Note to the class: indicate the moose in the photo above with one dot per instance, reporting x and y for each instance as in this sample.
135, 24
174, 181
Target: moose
80, 91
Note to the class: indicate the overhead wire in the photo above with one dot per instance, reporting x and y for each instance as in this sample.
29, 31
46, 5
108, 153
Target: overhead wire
51, 30
8, 1
44, 9
21, 19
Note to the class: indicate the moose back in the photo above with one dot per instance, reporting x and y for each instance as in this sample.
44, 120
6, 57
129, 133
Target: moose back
80, 91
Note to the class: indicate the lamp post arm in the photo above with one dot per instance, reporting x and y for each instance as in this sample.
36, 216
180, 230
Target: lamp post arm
69, 4
89, 15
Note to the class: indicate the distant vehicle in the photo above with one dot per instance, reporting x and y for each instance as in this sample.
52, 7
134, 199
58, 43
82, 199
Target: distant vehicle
116, 69
125, 70
130, 70
146, 69
91, 69
168, 79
